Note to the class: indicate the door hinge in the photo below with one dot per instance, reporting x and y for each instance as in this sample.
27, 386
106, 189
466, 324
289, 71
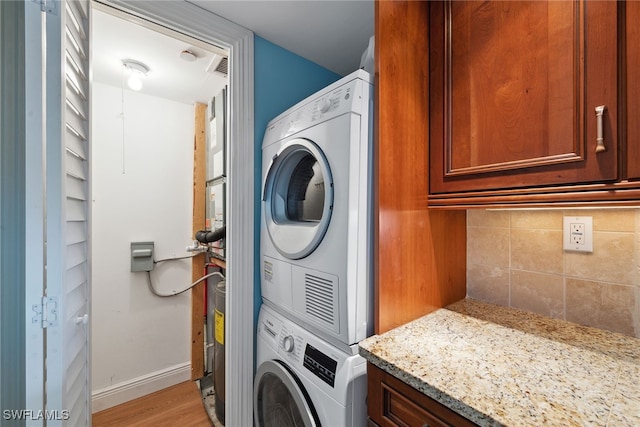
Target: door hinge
46, 313
48, 6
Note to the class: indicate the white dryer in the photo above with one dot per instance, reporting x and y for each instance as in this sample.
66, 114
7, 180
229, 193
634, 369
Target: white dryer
316, 225
303, 381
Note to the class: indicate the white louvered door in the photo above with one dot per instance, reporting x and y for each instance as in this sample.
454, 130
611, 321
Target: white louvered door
68, 212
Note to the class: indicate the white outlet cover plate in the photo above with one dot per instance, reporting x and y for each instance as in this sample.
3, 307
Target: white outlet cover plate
587, 246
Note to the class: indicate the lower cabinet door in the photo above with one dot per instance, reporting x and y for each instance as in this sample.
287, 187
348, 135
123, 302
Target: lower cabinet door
394, 403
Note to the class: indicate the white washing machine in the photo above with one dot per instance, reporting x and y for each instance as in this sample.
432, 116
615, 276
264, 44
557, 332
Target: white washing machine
303, 381
316, 225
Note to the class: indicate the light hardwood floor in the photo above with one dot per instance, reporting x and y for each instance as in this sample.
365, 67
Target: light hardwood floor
180, 405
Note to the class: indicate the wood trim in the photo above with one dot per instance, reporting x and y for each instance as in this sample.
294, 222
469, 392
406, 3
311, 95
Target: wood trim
197, 262
417, 267
595, 195
219, 262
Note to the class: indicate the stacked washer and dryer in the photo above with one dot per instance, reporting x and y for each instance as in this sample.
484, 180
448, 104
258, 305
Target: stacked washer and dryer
316, 251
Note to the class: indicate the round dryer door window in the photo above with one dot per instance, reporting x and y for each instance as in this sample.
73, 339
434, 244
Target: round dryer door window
298, 198
279, 400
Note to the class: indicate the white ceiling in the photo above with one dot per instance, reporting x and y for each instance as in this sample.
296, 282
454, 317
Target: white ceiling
170, 77
333, 34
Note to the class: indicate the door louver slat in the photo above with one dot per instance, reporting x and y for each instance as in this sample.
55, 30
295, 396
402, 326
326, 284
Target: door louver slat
77, 173
76, 144
76, 40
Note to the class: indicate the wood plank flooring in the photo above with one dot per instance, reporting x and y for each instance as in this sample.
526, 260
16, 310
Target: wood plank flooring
179, 405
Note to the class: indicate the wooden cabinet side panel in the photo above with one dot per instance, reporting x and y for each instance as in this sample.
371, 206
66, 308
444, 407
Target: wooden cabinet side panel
413, 276
633, 89
374, 393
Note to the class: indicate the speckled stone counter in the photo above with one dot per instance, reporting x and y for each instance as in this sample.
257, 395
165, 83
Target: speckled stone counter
500, 366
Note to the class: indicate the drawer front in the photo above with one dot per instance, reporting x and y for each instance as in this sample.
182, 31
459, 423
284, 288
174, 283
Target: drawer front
401, 411
392, 403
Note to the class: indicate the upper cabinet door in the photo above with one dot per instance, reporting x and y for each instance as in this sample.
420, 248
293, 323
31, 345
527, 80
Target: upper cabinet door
514, 88
632, 89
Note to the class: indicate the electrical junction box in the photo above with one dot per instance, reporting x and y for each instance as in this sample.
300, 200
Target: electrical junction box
141, 256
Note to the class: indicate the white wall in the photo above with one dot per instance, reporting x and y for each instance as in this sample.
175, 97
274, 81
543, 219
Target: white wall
142, 191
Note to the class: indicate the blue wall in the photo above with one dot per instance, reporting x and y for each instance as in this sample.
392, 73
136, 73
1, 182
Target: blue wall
281, 79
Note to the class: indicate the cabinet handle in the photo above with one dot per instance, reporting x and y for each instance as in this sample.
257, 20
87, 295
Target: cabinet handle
599, 132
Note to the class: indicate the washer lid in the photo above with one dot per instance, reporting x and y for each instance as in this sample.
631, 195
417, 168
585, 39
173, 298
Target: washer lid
298, 198
279, 399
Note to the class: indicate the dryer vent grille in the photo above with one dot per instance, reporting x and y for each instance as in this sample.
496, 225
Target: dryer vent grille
319, 301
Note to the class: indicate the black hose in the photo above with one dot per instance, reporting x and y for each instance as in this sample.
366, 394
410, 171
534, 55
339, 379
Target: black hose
204, 236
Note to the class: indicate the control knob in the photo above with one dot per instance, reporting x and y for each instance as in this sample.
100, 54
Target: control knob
288, 343
325, 104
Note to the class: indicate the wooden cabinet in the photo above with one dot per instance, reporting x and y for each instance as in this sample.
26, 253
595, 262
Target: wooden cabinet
514, 88
632, 89
419, 254
391, 402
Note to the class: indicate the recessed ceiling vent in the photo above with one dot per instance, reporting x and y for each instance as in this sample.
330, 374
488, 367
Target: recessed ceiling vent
219, 65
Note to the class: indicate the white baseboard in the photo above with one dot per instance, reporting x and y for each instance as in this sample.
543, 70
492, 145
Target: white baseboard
138, 387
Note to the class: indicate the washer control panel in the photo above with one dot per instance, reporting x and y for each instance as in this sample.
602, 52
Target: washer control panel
321, 365
309, 357
290, 342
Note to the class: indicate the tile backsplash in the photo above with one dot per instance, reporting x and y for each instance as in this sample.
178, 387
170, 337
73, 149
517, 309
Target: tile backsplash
515, 258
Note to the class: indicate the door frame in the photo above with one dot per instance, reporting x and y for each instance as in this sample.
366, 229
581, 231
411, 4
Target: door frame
196, 22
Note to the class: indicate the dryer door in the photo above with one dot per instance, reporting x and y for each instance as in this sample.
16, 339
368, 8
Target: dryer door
297, 198
279, 399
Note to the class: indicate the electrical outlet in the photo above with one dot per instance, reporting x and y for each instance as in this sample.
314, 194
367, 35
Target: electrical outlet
578, 233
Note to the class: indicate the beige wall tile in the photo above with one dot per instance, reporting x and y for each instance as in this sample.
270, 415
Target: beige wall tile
488, 283
484, 218
516, 258
488, 246
537, 292
541, 220
603, 305
612, 260
537, 250
609, 219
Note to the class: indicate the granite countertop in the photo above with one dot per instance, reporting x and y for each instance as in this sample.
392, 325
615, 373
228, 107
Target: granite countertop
501, 366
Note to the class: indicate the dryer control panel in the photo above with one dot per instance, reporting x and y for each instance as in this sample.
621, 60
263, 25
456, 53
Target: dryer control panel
333, 101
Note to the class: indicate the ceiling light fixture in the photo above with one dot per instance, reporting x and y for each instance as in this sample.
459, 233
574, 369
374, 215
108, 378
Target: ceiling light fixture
189, 56
137, 70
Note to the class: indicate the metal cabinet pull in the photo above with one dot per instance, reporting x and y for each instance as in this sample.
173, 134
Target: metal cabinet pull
599, 132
